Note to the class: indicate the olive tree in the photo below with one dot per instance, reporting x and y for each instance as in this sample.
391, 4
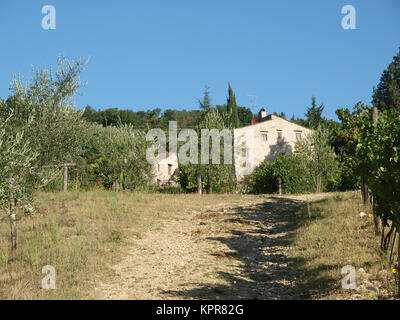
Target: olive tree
120, 157
39, 126
215, 175
319, 155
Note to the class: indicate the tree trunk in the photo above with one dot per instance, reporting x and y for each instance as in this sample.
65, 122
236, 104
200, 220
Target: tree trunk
364, 191
209, 182
319, 180
65, 179
378, 225
387, 238
398, 263
383, 238
279, 186
366, 202
374, 114
209, 185
117, 188
392, 247
199, 185
13, 223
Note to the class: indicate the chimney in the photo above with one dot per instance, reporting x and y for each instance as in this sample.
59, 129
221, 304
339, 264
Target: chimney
262, 114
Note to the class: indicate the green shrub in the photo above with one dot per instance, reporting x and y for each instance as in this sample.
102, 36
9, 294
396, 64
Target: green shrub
294, 174
263, 179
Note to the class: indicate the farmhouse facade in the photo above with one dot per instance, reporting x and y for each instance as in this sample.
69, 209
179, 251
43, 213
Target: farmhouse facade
271, 135
165, 169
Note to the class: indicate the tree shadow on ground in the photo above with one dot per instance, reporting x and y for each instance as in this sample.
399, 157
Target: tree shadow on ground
264, 231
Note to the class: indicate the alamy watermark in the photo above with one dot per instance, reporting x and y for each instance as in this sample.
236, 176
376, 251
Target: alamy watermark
349, 279
49, 20
239, 149
349, 20
49, 281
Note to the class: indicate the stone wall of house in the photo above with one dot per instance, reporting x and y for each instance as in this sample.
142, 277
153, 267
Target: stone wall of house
164, 169
266, 141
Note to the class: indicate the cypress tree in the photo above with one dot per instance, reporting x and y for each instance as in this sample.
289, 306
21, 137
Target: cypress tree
232, 108
205, 105
314, 114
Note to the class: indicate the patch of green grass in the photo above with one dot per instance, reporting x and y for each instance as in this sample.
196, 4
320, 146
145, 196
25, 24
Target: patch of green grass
115, 236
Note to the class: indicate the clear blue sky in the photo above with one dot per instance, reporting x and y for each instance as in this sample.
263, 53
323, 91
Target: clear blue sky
147, 54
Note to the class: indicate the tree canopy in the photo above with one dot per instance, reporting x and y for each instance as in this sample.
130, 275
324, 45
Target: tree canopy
387, 94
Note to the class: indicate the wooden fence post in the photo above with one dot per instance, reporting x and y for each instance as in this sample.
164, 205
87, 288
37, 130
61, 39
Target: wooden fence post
379, 227
364, 191
199, 184
64, 171
13, 222
398, 264
279, 186
209, 180
392, 247
65, 179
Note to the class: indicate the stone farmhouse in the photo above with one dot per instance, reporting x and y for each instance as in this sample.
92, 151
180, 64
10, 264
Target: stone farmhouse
165, 169
271, 134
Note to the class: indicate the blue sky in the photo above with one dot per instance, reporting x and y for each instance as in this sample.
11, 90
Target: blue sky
148, 54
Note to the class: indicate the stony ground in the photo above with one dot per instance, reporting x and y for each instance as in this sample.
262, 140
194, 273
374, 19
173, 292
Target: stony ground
220, 252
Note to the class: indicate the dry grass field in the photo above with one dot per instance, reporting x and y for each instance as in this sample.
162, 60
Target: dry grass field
107, 245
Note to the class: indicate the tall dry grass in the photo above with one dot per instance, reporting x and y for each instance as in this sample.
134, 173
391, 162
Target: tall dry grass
80, 234
330, 234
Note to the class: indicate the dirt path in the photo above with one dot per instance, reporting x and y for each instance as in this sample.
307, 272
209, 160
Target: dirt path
222, 252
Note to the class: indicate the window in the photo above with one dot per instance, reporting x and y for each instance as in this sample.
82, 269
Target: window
264, 135
279, 135
169, 169
298, 136
158, 168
